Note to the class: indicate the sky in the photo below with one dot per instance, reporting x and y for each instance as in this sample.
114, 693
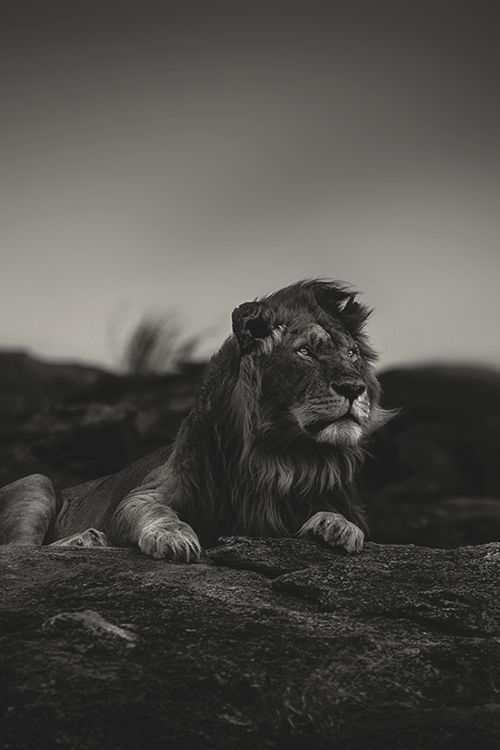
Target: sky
184, 157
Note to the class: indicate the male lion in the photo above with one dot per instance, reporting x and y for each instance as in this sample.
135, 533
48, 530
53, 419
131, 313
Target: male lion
271, 446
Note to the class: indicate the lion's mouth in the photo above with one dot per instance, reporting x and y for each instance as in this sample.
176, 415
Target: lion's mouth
349, 418
320, 424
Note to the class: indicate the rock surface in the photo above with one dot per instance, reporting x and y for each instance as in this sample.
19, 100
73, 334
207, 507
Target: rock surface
266, 644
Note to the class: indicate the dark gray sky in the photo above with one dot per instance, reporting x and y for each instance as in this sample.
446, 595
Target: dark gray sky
192, 155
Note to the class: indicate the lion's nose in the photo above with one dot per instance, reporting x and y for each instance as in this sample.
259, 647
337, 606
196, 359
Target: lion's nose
350, 389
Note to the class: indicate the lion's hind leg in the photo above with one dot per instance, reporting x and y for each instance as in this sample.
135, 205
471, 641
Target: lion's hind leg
88, 538
27, 508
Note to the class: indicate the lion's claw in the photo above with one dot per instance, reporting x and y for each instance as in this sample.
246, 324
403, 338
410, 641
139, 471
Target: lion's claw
88, 538
335, 530
171, 541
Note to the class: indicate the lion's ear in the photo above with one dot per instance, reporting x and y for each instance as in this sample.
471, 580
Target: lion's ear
252, 322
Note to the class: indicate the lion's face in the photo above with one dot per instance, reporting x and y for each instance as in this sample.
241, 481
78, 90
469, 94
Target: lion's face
315, 384
316, 377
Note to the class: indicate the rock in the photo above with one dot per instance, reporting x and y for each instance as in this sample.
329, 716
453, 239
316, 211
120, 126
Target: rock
268, 643
450, 522
91, 624
17, 460
433, 475
76, 422
444, 440
31, 378
75, 441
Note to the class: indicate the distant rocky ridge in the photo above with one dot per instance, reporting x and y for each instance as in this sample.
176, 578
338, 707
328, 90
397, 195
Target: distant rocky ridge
76, 422
433, 476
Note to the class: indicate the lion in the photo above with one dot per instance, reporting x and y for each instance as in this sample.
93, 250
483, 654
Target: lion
272, 446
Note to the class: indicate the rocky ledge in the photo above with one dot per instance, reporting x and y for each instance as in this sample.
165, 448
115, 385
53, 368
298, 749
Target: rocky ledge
267, 643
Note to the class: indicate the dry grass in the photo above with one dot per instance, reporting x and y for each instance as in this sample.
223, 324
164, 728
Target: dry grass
156, 346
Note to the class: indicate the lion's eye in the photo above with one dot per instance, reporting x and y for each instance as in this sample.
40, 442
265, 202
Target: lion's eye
304, 351
352, 352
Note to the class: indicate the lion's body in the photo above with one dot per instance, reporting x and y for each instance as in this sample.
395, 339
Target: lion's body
274, 441
93, 503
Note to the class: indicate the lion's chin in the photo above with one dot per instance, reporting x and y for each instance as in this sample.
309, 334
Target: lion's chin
343, 432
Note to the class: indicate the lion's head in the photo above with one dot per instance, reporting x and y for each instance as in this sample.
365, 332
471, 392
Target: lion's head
306, 371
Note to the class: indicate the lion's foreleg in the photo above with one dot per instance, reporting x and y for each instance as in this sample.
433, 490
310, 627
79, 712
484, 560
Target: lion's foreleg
27, 508
144, 519
333, 529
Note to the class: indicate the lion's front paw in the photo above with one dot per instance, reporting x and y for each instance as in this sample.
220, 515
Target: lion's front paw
172, 541
335, 530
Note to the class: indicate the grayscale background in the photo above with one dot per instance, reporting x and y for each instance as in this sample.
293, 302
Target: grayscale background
187, 156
